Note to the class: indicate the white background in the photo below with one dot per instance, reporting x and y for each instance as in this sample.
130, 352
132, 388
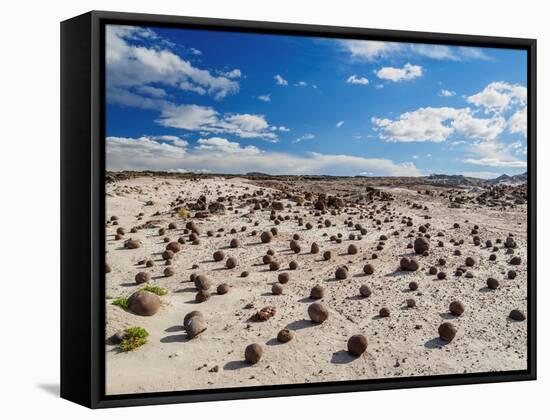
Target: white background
29, 206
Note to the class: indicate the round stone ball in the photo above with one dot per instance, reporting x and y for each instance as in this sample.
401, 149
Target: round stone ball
357, 344
144, 303
447, 331
318, 312
456, 308
253, 353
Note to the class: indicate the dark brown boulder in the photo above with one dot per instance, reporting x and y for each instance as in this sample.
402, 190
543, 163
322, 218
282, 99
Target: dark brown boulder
421, 245
317, 292
365, 290
266, 237
492, 283
517, 315
285, 335
384, 313
283, 278
218, 255
447, 331
357, 344
318, 312
222, 289
143, 303
202, 296
368, 269
408, 264
142, 277
456, 308
231, 262
253, 353
277, 289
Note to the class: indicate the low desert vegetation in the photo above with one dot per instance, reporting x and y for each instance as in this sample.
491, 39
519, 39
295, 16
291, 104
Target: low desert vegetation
134, 337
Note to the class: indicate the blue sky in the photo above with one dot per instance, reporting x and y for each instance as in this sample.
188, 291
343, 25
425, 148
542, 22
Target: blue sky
204, 101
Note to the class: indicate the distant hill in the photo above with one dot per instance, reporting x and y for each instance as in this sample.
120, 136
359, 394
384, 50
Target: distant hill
507, 179
464, 181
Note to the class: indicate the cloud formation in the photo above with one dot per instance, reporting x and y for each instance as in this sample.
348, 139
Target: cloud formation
355, 80
375, 50
407, 72
218, 155
130, 66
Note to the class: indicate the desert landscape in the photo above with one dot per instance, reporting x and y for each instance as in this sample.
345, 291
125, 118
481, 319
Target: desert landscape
217, 281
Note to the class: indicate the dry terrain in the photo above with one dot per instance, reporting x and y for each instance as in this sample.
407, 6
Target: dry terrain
384, 219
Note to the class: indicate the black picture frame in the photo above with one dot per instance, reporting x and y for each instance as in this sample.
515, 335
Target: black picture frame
83, 209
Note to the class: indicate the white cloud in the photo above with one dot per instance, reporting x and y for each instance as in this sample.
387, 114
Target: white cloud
152, 91
206, 119
301, 83
437, 124
415, 157
371, 50
494, 154
233, 74
265, 98
518, 122
223, 146
374, 50
279, 80
219, 155
194, 51
283, 128
339, 124
498, 96
353, 79
446, 93
407, 72
307, 136
130, 65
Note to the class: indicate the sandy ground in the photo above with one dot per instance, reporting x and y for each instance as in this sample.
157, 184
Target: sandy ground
404, 344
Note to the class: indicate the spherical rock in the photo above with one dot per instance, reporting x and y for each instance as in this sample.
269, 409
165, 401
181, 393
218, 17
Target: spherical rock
517, 315
132, 244
266, 237
169, 272
411, 303
231, 262
441, 275
512, 274
195, 326
107, 268
413, 286
421, 245
142, 277
143, 303
235, 243
253, 353
384, 312
218, 255
222, 289
456, 308
327, 255
274, 265
318, 312
174, 247
365, 290
341, 273
352, 249
285, 335
202, 282
447, 331
202, 296
283, 278
492, 283
168, 255
357, 344
314, 248
277, 289
515, 261
368, 269
408, 264
293, 265
317, 292
191, 315
470, 262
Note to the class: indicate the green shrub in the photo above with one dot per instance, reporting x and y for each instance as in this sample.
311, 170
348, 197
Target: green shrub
154, 289
134, 337
122, 302
184, 213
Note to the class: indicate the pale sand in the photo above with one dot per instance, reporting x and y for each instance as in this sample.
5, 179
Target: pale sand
486, 340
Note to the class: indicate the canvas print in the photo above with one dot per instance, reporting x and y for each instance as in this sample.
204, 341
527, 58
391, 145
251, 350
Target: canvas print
283, 209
